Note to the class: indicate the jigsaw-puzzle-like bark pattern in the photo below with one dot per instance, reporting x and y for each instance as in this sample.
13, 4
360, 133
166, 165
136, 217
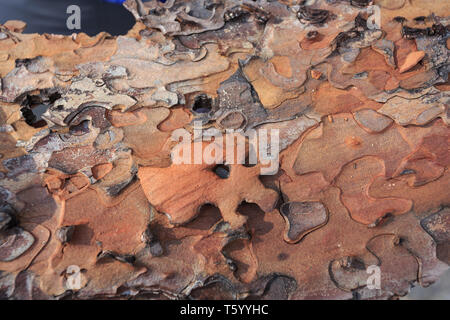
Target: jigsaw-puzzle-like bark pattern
357, 89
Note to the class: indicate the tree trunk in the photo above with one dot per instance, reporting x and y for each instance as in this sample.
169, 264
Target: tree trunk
228, 150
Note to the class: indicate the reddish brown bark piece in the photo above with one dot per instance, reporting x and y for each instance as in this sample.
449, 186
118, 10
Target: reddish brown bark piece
354, 181
101, 170
302, 218
336, 143
411, 60
102, 226
385, 251
437, 225
144, 138
372, 121
199, 184
429, 161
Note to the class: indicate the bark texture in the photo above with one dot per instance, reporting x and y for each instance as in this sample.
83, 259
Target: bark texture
358, 90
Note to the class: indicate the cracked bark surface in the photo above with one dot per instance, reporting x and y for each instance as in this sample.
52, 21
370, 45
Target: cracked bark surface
362, 110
